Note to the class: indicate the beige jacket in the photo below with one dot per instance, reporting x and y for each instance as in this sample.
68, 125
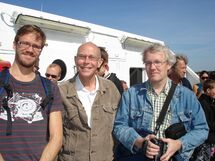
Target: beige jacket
82, 143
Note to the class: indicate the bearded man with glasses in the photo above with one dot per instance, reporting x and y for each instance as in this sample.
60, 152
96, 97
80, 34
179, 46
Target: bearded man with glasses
34, 132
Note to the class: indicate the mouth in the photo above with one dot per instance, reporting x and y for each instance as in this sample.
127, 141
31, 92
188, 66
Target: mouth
28, 55
85, 67
153, 74
29, 58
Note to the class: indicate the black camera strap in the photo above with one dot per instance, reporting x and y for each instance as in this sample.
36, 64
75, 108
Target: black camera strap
160, 119
162, 114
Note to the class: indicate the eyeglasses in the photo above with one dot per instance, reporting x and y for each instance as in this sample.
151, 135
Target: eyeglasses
90, 58
155, 63
203, 78
51, 75
25, 45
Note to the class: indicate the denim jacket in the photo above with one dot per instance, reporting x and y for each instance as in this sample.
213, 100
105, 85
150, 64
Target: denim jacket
135, 112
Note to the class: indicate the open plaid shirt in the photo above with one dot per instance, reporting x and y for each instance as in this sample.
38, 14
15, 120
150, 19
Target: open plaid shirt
157, 102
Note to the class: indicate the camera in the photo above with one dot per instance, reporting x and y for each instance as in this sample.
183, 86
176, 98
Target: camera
163, 148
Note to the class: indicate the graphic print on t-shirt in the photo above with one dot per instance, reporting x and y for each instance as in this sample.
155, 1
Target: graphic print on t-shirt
24, 106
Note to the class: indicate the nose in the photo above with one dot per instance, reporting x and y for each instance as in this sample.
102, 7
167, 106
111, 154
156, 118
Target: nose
87, 59
152, 66
30, 48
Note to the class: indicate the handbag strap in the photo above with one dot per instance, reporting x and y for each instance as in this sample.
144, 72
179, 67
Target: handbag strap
164, 108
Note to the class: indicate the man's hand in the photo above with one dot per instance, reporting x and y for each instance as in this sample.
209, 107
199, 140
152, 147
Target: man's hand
152, 149
172, 147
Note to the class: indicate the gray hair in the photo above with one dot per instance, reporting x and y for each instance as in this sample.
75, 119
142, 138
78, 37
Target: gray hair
154, 48
180, 57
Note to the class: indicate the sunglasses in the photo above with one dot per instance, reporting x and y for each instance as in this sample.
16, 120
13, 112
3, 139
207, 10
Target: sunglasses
51, 75
203, 78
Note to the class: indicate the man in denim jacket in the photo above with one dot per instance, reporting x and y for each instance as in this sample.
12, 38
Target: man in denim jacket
140, 107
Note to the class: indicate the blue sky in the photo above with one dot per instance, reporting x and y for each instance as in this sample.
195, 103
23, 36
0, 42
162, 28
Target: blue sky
186, 26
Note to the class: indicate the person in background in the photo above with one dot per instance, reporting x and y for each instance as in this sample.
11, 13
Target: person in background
140, 107
198, 88
4, 64
207, 100
56, 71
63, 67
178, 71
35, 132
124, 85
212, 75
103, 71
53, 72
90, 103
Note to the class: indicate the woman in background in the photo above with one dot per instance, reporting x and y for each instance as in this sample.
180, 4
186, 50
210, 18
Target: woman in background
198, 88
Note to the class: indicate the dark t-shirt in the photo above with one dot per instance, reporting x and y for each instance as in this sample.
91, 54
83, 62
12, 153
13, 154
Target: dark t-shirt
186, 83
116, 81
208, 105
29, 120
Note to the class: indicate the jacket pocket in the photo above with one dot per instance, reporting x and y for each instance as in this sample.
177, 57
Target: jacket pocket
136, 118
110, 109
71, 119
108, 115
186, 118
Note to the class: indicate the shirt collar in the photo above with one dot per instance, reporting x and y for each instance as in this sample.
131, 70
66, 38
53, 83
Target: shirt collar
165, 90
80, 86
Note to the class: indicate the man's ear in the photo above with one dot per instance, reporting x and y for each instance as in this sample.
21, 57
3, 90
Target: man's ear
107, 66
169, 68
14, 45
100, 61
58, 77
208, 90
75, 60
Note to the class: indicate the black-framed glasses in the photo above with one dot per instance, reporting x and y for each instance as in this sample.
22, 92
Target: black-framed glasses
51, 75
25, 45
